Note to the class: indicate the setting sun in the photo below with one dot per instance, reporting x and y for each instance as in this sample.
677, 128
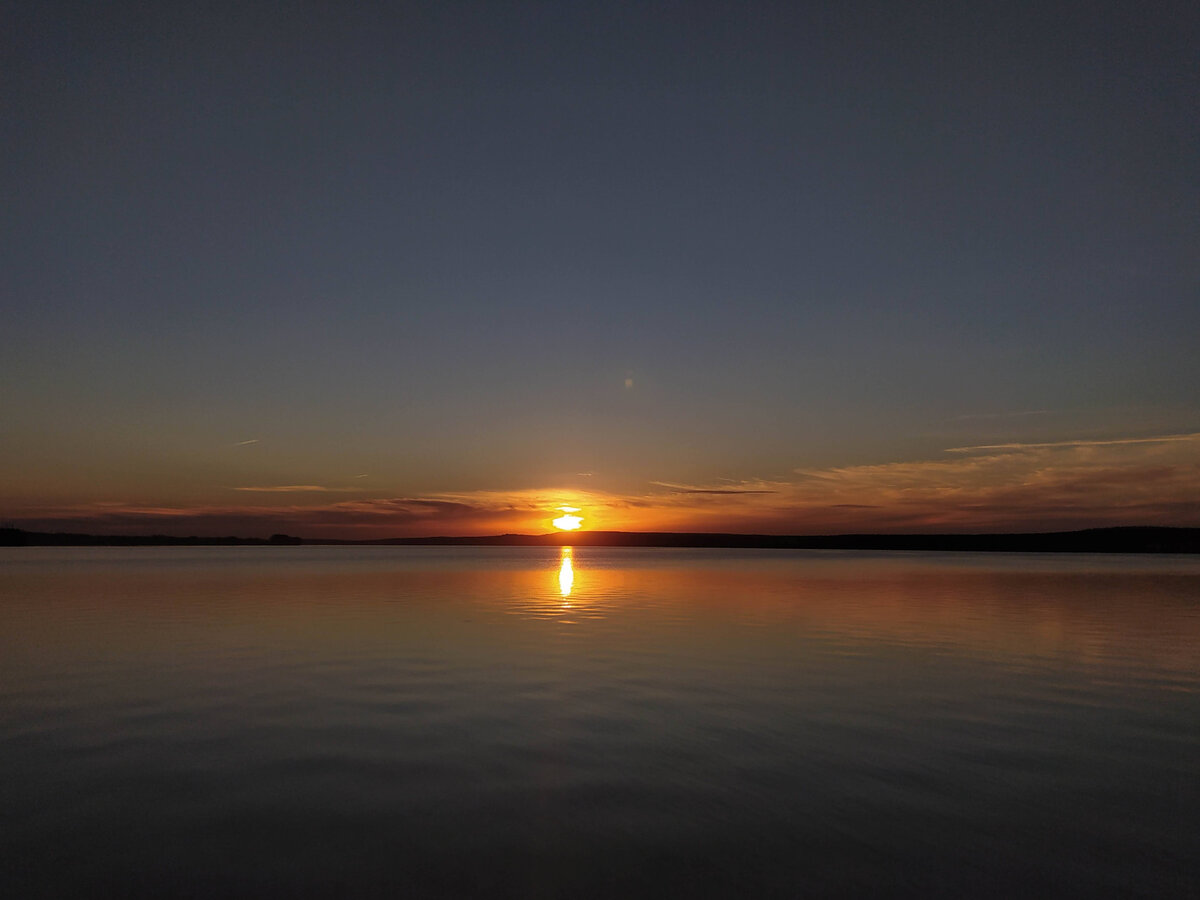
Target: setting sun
567, 521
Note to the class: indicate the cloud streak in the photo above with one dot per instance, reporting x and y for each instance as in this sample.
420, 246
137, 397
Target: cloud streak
296, 489
1164, 439
1006, 415
692, 489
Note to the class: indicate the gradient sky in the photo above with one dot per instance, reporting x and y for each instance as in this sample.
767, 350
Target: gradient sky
427, 268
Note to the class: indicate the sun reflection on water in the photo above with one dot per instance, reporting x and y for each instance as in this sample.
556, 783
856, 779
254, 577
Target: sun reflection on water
566, 573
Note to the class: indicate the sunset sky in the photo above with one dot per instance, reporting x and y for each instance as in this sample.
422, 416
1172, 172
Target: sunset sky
357, 270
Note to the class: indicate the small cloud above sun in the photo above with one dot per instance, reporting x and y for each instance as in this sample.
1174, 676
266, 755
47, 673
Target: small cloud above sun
567, 521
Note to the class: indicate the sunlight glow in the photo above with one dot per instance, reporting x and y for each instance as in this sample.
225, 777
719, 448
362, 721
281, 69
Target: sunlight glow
566, 573
567, 521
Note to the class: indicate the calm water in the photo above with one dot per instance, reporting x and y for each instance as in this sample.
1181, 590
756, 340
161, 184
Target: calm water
500, 722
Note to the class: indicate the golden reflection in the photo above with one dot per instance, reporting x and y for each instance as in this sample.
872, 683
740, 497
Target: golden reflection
566, 573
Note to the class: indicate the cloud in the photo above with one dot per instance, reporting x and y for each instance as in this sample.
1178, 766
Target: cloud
1164, 439
692, 489
296, 489
244, 443
350, 518
1007, 415
1040, 486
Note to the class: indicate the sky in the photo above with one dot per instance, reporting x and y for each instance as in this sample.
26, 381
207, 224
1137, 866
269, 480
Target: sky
373, 270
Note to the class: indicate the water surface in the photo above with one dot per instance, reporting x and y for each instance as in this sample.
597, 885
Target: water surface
507, 722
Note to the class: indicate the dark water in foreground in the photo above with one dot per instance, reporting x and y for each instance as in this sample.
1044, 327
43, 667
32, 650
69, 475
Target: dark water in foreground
412, 722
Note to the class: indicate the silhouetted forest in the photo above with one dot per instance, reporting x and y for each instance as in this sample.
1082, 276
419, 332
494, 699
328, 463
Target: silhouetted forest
17, 537
1092, 540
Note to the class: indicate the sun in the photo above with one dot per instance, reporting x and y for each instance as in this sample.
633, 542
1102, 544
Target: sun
567, 521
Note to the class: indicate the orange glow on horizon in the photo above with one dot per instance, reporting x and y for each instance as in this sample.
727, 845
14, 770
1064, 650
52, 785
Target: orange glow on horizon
993, 487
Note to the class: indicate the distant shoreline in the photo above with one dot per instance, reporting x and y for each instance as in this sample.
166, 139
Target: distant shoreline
1128, 539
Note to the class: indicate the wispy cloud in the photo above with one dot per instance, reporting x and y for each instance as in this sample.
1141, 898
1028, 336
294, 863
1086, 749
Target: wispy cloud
694, 489
1075, 483
296, 489
1007, 415
244, 443
1163, 439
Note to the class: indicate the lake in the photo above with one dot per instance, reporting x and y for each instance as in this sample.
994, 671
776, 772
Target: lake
537, 722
